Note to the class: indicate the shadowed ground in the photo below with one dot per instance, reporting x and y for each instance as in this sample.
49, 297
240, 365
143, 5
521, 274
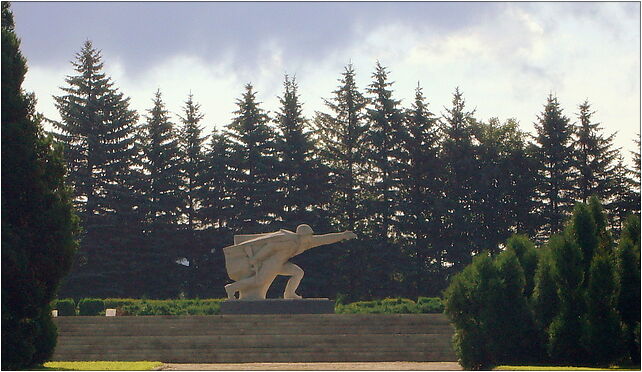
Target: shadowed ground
342, 366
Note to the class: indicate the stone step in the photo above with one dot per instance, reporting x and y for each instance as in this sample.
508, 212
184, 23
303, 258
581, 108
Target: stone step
276, 318
251, 340
187, 356
257, 338
180, 331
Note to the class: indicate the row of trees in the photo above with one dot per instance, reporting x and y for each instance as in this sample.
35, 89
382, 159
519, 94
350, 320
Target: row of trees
423, 192
575, 301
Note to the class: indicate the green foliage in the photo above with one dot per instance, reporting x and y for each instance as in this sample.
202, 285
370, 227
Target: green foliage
545, 299
39, 226
492, 319
555, 156
429, 305
65, 306
627, 257
167, 307
91, 306
568, 329
526, 253
424, 305
603, 320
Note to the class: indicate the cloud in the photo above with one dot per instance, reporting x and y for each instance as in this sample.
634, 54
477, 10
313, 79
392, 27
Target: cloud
506, 58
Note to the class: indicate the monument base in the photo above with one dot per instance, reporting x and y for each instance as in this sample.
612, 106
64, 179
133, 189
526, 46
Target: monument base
278, 306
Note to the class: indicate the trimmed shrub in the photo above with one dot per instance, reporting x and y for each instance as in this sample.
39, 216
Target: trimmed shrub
568, 330
65, 306
430, 305
91, 306
604, 322
493, 322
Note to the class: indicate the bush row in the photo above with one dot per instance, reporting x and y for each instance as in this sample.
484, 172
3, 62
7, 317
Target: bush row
135, 307
392, 306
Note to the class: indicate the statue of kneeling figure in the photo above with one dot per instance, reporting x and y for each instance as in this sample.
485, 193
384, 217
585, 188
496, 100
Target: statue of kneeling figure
255, 260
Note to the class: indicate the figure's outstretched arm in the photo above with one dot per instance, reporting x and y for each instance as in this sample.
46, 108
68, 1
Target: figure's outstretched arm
318, 240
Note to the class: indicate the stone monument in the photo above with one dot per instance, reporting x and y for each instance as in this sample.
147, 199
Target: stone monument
255, 260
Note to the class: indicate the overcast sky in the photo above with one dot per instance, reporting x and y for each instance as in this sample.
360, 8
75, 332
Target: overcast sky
505, 57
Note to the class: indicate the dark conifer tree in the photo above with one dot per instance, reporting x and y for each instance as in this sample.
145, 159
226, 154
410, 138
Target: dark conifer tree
458, 155
192, 160
626, 199
39, 225
98, 132
504, 192
595, 158
341, 138
555, 152
628, 278
160, 152
254, 167
301, 171
384, 138
215, 210
421, 187
604, 333
159, 162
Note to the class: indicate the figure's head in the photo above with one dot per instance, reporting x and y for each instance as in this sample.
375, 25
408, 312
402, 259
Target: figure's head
304, 230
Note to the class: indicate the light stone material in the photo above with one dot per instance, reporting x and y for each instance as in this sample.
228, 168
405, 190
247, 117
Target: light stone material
54, 313
110, 312
255, 260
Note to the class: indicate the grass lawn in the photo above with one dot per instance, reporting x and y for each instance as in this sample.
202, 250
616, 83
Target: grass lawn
558, 368
100, 366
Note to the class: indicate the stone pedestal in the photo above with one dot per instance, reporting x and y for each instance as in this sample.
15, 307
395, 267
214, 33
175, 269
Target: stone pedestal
278, 306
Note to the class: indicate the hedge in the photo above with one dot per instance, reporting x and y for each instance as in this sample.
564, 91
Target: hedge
91, 306
65, 306
392, 306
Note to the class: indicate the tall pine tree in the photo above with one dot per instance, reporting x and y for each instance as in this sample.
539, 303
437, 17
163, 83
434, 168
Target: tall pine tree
341, 137
421, 188
555, 154
595, 158
192, 160
98, 132
253, 167
460, 179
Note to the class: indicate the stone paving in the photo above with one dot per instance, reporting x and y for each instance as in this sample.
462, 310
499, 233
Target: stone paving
342, 366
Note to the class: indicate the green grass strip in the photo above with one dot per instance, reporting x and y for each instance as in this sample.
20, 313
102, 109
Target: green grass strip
100, 366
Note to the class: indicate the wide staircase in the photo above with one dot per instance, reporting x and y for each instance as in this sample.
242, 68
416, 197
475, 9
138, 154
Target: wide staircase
256, 338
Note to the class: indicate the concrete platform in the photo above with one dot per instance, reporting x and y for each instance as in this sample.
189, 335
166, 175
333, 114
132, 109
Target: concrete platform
278, 306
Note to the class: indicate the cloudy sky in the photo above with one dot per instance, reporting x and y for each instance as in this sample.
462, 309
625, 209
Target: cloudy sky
505, 57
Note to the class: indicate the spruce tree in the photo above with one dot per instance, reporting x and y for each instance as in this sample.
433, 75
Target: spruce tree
39, 225
555, 165
458, 154
253, 166
160, 154
161, 201
192, 160
595, 157
384, 138
340, 137
420, 188
301, 176
215, 210
626, 198
98, 132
